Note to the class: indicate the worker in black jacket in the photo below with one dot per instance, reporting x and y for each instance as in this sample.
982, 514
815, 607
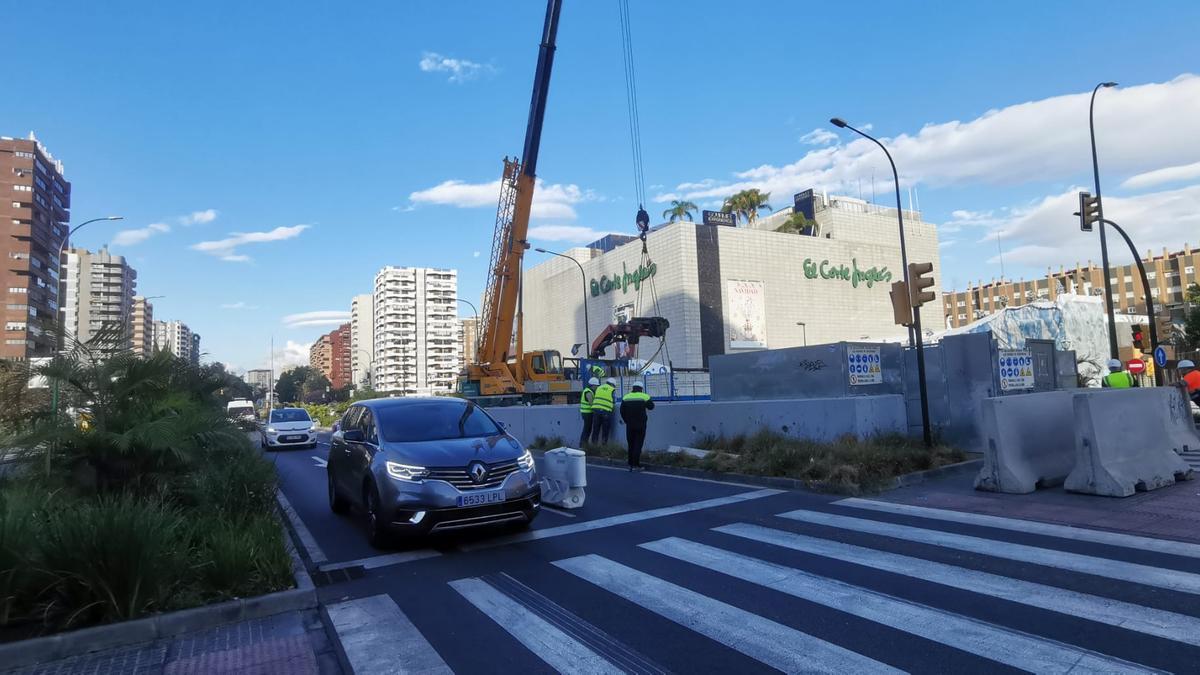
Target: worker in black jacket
633, 413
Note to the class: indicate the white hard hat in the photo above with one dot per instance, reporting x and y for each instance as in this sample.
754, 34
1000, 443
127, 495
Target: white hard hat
610, 382
1186, 363
593, 382
1114, 364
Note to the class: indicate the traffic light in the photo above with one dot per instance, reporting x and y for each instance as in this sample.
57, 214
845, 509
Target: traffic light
1089, 211
1166, 329
901, 309
1138, 332
918, 282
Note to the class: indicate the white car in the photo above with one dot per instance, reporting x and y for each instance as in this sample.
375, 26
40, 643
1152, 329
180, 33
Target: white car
289, 428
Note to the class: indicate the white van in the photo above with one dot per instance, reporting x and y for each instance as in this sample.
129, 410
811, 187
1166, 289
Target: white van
241, 410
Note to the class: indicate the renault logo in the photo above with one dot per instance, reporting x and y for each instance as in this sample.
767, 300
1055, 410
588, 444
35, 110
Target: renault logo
478, 472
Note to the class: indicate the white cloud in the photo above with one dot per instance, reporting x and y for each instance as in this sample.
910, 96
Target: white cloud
240, 304
961, 218
572, 234
288, 356
199, 217
1045, 233
225, 249
319, 318
549, 201
819, 136
137, 236
946, 243
1138, 128
460, 70
1169, 174
476, 254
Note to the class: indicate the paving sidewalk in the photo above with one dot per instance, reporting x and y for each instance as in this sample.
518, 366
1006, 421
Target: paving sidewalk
293, 643
1171, 512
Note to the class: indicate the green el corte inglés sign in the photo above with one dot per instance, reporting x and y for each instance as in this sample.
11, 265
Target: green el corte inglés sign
853, 274
624, 280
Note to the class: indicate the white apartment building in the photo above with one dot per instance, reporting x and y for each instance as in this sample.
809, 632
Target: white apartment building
98, 290
417, 349
142, 332
177, 338
362, 340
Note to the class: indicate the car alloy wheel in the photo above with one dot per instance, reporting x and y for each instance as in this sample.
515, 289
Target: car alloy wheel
376, 531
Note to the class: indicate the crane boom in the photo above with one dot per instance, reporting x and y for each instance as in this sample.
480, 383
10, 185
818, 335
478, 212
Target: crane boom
512, 227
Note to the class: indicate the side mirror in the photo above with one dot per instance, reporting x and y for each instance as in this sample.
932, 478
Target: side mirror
503, 425
353, 436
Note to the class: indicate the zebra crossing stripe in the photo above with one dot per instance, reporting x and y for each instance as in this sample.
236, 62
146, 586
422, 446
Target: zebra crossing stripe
559, 650
1126, 615
1031, 527
1012, 648
1113, 569
766, 641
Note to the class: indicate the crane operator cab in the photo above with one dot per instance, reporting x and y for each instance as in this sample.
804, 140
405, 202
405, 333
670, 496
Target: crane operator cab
544, 365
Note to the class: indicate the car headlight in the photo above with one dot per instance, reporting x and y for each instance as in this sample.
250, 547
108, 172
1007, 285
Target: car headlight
271, 430
525, 461
405, 471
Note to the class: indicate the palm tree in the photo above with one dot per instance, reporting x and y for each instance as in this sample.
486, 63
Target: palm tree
797, 223
680, 210
747, 203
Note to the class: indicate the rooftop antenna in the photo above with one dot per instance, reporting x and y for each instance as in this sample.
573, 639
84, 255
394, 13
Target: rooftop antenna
1001, 250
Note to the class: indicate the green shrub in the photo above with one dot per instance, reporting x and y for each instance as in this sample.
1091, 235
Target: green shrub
234, 482
241, 559
114, 558
547, 443
22, 517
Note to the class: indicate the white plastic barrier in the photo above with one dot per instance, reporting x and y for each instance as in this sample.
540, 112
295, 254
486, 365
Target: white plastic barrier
564, 476
1028, 442
1127, 440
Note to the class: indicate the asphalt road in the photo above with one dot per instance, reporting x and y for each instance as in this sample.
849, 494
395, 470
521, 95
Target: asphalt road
664, 574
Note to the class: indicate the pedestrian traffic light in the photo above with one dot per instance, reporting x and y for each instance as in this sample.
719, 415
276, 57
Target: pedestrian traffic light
901, 309
1166, 329
1089, 211
918, 282
1138, 332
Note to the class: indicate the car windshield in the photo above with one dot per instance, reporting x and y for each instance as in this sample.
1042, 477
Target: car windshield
433, 421
290, 416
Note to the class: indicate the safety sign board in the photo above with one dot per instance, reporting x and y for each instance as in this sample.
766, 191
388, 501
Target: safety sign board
864, 365
1016, 369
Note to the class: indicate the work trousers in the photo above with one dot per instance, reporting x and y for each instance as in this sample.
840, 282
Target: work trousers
585, 436
635, 437
601, 426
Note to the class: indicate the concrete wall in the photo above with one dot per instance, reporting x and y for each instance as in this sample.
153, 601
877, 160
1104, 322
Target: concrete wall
682, 423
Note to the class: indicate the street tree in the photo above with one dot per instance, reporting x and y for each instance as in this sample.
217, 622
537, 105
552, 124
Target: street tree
797, 223
747, 204
680, 210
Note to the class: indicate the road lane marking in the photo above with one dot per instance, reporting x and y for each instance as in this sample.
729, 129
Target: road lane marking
654, 472
763, 640
1010, 647
381, 560
1157, 622
557, 511
558, 649
321, 464
377, 637
1075, 562
622, 519
1031, 527
315, 554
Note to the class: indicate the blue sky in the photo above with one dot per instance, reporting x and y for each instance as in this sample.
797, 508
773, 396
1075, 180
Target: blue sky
311, 144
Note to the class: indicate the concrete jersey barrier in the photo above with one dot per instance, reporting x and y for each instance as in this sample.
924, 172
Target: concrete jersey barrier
1028, 442
1128, 440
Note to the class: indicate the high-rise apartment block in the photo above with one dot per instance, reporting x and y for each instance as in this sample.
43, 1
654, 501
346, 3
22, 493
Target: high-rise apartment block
35, 202
362, 340
142, 331
260, 379
330, 356
417, 350
177, 338
97, 294
1169, 276
320, 355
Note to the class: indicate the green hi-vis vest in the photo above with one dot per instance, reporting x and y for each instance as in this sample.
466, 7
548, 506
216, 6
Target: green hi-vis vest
585, 401
1119, 380
637, 396
604, 398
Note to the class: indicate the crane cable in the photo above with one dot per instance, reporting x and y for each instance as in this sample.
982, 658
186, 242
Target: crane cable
639, 173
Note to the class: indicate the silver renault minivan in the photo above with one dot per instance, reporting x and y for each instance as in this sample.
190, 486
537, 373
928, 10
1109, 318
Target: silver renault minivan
421, 465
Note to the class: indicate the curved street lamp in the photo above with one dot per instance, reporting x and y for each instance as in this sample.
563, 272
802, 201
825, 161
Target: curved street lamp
1108, 301
587, 331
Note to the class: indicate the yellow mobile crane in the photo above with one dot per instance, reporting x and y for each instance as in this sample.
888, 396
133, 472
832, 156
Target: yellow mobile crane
503, 368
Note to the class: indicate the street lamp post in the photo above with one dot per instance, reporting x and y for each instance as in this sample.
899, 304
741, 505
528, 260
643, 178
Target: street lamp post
370, 367
803, 331
587, 331
1108, 299
914, 331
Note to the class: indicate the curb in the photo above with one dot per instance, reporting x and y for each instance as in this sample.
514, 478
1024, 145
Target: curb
138, 631
914, 478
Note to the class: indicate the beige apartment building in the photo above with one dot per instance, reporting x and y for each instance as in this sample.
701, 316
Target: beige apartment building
1169, 276
142, 331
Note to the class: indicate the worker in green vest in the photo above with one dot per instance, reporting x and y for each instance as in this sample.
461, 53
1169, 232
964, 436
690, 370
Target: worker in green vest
633, 413
602, 410
585, 410
1117, 378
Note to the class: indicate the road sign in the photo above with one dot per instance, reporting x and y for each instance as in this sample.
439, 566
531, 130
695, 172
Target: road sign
1160, 356
1136, 366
